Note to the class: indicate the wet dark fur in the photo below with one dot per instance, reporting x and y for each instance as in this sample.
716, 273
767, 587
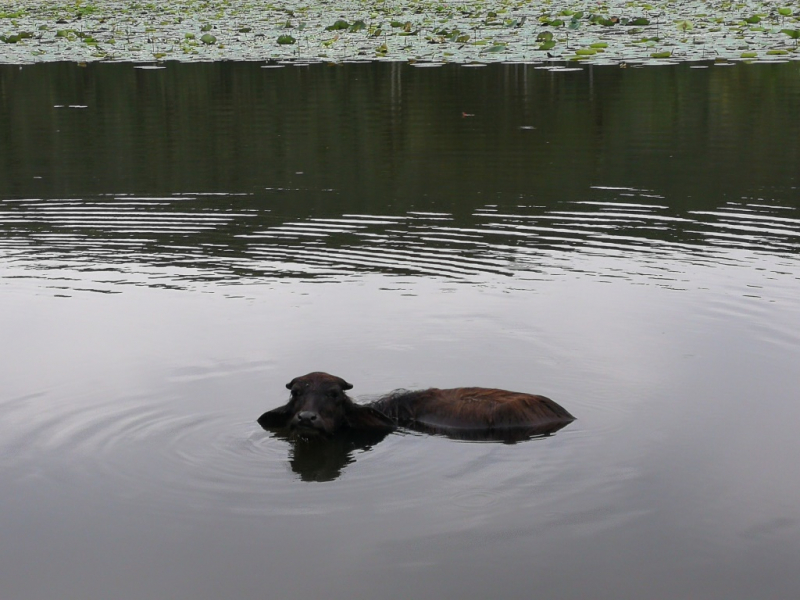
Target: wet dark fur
320, 406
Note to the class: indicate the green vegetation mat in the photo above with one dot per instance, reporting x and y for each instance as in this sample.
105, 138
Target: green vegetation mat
422, 31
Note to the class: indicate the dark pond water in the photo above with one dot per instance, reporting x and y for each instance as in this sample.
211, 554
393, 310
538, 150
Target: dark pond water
177, 243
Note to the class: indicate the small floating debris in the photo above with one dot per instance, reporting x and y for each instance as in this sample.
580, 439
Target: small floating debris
659, 63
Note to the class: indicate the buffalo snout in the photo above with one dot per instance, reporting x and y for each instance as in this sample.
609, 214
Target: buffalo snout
311, 422
306, 416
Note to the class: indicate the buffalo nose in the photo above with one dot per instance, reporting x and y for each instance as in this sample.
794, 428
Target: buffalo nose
307, 416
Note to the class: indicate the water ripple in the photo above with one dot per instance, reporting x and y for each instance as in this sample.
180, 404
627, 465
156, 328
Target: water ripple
145, 452
238, 236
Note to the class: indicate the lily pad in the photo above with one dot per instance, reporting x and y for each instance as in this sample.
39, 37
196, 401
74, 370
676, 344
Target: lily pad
340, 24
357, 26
207, 38
285, 40
16, 37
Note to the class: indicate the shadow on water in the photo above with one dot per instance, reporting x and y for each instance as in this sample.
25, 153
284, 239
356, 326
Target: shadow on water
324, 458
321, 458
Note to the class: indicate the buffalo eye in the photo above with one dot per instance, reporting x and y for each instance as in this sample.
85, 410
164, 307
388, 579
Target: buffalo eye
333, 394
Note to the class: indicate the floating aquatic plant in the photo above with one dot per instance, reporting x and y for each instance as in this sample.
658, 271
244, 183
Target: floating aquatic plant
16, 37
792, 33
426, 31
340, 24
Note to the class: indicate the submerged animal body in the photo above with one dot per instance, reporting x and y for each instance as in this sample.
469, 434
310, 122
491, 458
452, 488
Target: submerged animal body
319, 405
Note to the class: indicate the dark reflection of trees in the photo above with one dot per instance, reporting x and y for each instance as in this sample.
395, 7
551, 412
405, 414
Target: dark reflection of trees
387, 139
324, 458
382, 134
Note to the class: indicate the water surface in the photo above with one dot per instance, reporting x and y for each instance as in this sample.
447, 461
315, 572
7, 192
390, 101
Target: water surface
176, 244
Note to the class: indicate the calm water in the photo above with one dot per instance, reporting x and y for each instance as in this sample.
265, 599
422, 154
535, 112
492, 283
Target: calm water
176, 244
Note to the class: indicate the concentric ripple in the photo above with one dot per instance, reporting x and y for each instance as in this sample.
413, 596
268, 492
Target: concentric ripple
143, 451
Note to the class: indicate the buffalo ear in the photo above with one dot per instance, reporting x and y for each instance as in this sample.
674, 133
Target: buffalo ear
291, 383
277, 418
346, 386
366, 418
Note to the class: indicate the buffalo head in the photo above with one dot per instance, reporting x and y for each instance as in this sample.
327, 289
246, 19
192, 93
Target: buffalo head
319, 406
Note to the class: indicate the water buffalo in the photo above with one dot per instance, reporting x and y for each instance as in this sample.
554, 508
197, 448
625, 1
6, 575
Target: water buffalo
319, 406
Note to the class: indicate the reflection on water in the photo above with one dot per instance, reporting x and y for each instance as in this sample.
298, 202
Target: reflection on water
322, 459
177, 240
231, 172
175, 243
